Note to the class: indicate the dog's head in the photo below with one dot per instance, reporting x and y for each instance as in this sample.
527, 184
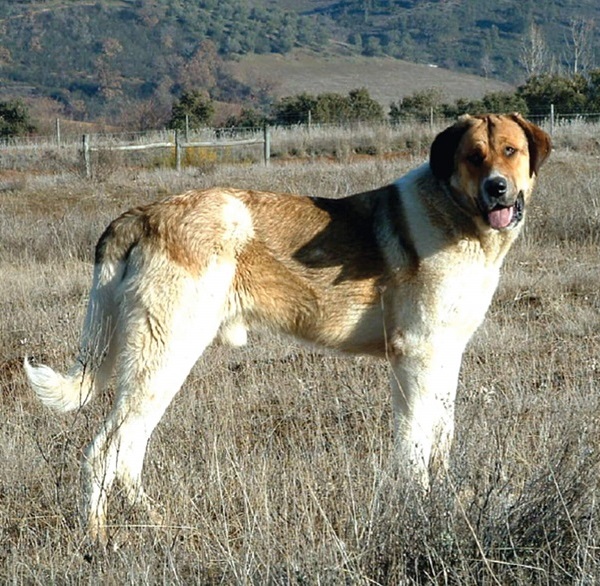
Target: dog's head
490, 163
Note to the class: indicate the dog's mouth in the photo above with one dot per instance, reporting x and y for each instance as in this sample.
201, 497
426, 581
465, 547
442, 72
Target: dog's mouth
503, 217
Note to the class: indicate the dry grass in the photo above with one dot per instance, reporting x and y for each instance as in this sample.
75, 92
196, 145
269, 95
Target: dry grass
388, 80
274, 465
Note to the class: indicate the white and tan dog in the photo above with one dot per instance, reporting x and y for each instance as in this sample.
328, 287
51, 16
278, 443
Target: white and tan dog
405, 272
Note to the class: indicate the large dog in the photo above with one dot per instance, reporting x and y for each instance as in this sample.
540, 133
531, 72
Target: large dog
405, 272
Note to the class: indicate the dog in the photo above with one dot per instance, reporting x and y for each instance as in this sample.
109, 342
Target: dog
405, 272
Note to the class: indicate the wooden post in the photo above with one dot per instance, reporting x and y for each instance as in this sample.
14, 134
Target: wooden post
58, 131
177, 151
551, 119
187, 128
267, 144
87, 161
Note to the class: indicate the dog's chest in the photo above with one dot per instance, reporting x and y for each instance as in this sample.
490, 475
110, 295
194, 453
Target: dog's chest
448, 296
462, 293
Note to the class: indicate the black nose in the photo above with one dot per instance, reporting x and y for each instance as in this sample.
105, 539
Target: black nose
496, 187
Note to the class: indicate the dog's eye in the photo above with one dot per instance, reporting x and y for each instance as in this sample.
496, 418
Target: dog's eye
509, 151
476, 159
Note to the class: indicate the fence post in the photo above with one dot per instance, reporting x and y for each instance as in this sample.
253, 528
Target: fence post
551, 119
58, 132
267, 144
87, 161
177, 151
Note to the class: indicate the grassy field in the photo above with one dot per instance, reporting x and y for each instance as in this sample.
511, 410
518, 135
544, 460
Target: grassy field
274, 464
388, 80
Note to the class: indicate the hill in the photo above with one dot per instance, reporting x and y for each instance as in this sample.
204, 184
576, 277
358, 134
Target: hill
114, 58
387, 79
479, 37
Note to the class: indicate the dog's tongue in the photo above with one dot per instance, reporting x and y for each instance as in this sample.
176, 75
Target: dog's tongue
500, 217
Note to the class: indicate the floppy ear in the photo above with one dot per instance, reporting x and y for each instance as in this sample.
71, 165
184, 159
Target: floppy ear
444, 147
540, 143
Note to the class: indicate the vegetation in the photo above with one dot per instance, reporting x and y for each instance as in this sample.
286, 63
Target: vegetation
577, 93
328, 108
88, 54
14, 119
193, 110
274, 464
484, 38
569, 95
247, 118
103, 59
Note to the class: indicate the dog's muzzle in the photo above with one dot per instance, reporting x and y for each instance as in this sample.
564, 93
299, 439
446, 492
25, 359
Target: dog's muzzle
499, 212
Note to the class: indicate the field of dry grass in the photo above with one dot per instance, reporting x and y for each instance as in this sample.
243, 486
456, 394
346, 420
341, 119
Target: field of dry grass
388, 80
274, 464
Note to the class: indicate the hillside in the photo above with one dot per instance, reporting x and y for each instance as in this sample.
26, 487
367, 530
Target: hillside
387, 79
110, 58
479, 37
96, 58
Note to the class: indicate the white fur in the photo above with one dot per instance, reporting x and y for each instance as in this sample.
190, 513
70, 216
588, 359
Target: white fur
159, 350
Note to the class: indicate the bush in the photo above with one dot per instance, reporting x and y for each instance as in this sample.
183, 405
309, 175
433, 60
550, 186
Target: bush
328, 108
568, 94
500, 102
248, 118
193, 106
417, 107
14, 119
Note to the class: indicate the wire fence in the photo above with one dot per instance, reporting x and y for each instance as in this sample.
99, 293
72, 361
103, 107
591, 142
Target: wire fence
92, 154
96, 153
181, 143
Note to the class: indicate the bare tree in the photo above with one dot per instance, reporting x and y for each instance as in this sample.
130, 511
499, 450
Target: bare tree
580, 45
109, 77
201, 71
487, 65
5, 56
534, 55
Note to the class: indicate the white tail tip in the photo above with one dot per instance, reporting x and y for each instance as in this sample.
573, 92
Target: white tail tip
59, 392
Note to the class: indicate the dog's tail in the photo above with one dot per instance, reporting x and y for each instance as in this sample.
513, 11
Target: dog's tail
97, 349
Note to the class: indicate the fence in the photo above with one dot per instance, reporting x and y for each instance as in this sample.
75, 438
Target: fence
91, 155
83, 153
179, 144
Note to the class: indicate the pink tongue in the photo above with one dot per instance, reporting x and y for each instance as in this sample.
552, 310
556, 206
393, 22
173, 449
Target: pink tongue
500, 218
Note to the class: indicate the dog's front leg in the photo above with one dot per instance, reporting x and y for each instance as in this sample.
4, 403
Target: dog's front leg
423, 394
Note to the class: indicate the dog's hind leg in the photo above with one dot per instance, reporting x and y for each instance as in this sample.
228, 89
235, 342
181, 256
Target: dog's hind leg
164, 330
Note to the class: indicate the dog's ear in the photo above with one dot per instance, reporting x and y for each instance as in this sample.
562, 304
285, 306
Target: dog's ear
540, 143
444, 147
